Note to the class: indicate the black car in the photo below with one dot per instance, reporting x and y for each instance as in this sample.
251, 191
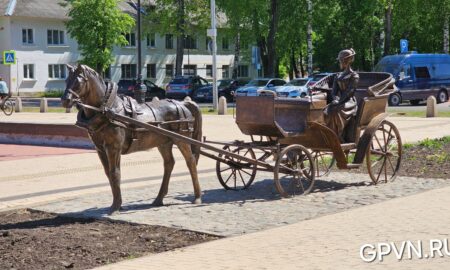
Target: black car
226, 88
127, 87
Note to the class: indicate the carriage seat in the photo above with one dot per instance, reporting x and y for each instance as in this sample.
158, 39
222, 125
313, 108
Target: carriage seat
132, 107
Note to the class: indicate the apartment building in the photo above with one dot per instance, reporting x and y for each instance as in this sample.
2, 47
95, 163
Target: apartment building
35, 29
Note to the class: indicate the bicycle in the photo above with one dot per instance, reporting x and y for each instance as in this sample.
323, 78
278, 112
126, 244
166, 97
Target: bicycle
7, 106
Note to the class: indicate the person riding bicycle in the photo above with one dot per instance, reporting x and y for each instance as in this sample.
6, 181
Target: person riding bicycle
4, 91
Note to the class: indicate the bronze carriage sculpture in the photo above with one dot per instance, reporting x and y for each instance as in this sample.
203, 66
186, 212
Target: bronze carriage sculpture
303, 147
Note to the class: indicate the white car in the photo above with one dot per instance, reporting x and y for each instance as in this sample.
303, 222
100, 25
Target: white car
295, 88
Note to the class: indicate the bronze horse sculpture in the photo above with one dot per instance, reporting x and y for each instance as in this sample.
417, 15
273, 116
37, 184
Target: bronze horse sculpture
94, 96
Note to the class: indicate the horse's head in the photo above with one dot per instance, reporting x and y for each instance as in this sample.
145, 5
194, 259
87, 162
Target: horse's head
76, 85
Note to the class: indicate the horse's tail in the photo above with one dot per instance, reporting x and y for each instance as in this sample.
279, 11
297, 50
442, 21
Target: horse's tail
197, 135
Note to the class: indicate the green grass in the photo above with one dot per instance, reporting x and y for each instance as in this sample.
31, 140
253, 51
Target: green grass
404, 113
435, 143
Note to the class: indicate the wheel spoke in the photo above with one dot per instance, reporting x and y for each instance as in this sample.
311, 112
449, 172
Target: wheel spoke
242, 178
225, 169
229, 177
390, 162
378, 141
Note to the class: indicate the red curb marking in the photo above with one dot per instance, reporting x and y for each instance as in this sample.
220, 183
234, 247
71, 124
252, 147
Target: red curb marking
15, 152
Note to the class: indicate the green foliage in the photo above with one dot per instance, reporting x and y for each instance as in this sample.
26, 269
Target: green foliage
98, 26
164, 17
53, 93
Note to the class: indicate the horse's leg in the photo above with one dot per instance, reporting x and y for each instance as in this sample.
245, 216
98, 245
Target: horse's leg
186, 151
113, 156
169, 162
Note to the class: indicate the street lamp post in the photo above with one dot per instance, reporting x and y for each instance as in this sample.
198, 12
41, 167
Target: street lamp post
140, 89
213, 34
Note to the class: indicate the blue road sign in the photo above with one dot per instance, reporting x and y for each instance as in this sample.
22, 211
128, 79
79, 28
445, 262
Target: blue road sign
403, 45
9, 57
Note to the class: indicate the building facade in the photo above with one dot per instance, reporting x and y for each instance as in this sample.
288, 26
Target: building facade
36, 30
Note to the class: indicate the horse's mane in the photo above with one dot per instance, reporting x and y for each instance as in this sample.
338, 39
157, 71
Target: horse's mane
92, 72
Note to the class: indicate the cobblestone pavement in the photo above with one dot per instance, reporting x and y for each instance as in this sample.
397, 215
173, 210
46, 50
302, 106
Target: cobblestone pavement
231, 213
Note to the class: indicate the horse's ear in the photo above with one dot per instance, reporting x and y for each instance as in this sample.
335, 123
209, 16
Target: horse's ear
70, 68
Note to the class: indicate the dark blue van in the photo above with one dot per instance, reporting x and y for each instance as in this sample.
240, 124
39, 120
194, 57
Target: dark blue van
418, 76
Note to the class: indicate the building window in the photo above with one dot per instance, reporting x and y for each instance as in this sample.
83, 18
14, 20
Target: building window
225, 44
190, 43
190, 70
56, 71
131, 39
225, 71
169, 70
55, 37
242, 71
129, 71
28, 71
151, 40
169, 41
209, 71
151, 70
27, 36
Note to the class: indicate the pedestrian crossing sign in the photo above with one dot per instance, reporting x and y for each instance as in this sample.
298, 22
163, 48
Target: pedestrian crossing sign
9, 57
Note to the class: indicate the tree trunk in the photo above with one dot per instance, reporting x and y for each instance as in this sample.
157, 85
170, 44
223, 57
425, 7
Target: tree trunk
180, 39
309, 39
271, 52
302, 66
237, 52
387, 28
260, 42
294, 67
446, 34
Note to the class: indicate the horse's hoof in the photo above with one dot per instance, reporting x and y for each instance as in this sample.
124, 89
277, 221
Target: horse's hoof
197, 201
157, 203
113, 210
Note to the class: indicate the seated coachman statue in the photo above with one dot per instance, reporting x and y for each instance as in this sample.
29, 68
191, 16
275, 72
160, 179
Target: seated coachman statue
342, 105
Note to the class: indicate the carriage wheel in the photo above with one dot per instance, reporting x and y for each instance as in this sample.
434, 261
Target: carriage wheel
324, 161
384, 154
236, 174
8, 107
294, 171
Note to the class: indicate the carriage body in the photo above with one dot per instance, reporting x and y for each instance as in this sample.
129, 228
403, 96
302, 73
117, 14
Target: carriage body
289, 123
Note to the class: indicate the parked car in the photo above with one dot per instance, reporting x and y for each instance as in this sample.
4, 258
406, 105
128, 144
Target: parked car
295, 88
251, 89
226, 88
127, 87
417, 76
183, 86
317, 77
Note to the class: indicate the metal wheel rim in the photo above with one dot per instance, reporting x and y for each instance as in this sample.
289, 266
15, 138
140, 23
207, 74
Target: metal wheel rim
300, 183
8, 107
395, 100
384, 155
233, 177
442, 97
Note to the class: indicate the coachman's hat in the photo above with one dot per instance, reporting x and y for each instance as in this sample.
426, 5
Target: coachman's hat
345, 54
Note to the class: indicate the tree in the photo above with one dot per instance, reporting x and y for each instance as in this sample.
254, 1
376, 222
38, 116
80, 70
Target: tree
98, 26
180, 18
